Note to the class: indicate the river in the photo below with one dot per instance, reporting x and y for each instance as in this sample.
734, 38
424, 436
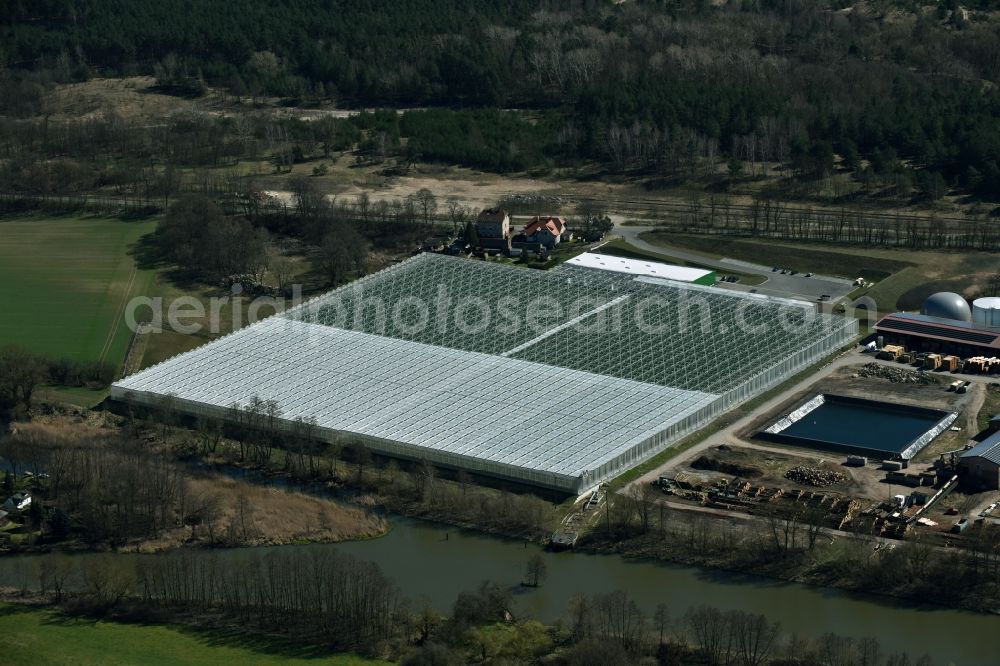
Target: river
437, 562
428, 564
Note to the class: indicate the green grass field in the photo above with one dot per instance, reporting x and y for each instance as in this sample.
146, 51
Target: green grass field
65, 282
74, 395
30, 636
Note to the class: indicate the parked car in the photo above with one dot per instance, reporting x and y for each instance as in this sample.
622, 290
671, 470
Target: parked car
18, 502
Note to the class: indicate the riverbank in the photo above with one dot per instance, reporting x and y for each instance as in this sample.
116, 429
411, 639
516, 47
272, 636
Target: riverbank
291, 499
247, 514
901, 572
912, 572
93, 489
434, 565
490, 511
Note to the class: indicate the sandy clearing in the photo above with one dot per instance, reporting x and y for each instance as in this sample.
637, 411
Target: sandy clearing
131, 98
473, 193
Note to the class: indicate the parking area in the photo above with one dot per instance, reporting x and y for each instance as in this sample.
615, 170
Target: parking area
785, 285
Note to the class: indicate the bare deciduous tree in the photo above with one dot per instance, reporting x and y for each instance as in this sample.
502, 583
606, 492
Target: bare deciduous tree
535, 571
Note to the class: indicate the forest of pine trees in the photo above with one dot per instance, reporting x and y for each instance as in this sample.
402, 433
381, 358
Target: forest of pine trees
636, 85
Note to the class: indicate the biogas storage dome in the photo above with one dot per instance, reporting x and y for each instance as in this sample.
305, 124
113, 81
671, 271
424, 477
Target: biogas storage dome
947, 305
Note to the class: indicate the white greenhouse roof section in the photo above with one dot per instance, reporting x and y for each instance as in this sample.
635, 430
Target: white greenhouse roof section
606, 262
621, 365
516, 418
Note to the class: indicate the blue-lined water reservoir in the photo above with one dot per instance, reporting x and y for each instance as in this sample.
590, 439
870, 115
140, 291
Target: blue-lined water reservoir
864, 427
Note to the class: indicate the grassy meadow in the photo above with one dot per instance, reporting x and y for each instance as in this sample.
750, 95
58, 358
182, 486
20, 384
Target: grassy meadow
31, 636
64, 283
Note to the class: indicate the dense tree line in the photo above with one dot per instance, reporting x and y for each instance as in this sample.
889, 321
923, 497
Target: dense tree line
489, 139
612, 630
363, 50
788, 543
114, 490
21, 372
624, 83
318, 596
316, 593
197, 236
765, 218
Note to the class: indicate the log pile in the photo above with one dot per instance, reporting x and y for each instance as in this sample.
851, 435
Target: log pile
814, 476
983, 365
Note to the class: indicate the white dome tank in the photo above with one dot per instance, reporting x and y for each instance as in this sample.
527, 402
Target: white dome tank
986, 311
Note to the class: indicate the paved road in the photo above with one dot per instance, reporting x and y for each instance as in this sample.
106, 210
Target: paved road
787, 286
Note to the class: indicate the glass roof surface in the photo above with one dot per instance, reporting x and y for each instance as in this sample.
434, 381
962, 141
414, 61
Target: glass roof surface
561, 371
651, 330
500, 409
469, 304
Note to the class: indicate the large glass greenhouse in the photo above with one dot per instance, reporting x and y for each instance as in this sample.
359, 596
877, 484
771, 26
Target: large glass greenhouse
561, 378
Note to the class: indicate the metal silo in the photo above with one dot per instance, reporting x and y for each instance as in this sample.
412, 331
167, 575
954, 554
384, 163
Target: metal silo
986, 311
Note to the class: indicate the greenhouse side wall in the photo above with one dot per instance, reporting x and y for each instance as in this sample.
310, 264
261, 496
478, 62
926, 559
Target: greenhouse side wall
554, 481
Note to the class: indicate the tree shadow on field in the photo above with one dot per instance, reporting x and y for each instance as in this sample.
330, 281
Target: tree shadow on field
208, 636
257, 642
58, 618
7, 609
149, 254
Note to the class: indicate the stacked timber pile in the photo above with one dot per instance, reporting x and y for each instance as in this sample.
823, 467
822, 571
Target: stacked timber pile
984, 365
894, 375
814, 476
852, 510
